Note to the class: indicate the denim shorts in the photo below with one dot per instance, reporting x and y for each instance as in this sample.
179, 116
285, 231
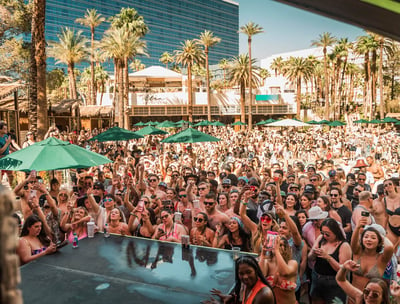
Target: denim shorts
325, 287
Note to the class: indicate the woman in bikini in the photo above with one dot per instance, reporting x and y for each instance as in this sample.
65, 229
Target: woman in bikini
75, 222
392, 204
236, 236
251, 286
280, 270
168, 230
372, 252
34, 242
116, 223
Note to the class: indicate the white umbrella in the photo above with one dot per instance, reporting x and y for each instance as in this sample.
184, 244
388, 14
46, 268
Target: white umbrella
288, 123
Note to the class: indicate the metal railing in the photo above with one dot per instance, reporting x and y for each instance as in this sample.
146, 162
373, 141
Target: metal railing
201, 110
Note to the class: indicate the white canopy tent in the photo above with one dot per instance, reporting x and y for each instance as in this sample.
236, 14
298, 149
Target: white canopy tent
288, 123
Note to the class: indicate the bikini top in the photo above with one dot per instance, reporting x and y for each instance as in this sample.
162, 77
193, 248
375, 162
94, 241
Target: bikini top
35, 251
282, 283
173, 232
372, 273
390, 212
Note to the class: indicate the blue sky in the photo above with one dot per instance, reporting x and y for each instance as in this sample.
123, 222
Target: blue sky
286, 28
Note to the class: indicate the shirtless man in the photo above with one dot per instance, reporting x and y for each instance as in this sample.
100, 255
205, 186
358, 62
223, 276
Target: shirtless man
375, 169
392, 204
378, 207
215, 217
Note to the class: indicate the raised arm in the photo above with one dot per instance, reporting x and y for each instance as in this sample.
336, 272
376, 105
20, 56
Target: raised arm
247, 222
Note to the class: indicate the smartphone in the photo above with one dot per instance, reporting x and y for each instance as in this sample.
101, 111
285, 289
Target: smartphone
32, 193
75, 189
365, 213
270, 240
166, 203
160, 231
141, 206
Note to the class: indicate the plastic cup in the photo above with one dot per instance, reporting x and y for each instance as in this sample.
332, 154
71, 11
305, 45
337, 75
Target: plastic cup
178, 217
90, 229
236, 252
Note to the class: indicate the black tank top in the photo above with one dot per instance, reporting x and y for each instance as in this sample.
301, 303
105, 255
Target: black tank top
323, 267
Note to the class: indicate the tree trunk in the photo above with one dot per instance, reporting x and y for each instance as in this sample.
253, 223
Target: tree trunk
33, 83
326, 86
250, 88
190, 94
92, 73
72, 83
298, 97
40, 56
382, 101
208, 88
126, 94
121, 95
242, 102
114, 103
333, 94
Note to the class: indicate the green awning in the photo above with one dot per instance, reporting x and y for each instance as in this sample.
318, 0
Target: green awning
267, 97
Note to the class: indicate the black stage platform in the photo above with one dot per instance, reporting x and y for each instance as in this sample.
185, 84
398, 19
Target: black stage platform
127, 270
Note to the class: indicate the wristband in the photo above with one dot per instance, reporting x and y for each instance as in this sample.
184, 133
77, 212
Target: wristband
243, 203
133, 214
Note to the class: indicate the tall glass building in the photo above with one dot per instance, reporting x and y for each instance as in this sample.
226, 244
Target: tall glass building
170, 22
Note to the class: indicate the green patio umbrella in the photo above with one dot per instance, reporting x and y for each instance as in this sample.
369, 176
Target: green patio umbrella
51, 154
375, 121
323, 122
150, 130
153, 123
390, 120
218, 124
148, 123
116, 134
166, 124
397, 123
182, 122
336, 123
139, 124
262, 122
189, 135
239, 123
203, 123
312, 122
269, 120
361, 121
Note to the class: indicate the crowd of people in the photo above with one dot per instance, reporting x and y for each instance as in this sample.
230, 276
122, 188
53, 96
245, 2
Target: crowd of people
313, 204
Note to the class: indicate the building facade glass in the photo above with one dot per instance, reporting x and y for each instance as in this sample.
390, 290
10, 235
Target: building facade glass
170, 22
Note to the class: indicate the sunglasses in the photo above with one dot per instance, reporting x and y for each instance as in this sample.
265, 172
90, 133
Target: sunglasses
106, 200
387, 185
361, 179
198, 219
334, 195
164, 216
202, 189
96, 188
182, 195
152, 180
89, 184
208, 203
225, 187
174, 175
46, 207
266, 218
63, 194
374, 294
313, 180
358, 190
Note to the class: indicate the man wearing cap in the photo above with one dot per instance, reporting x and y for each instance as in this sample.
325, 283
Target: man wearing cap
226, 185
311, 230
363, 209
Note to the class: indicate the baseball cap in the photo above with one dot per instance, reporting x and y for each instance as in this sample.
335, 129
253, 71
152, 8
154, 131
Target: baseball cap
332, 173
226, 181
309, 188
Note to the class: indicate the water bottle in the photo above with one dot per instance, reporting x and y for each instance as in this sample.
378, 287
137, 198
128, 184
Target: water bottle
106, 231
75, 242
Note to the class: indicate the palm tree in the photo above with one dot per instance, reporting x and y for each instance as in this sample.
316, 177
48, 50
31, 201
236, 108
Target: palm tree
325, 40
223, 65
277, 65
189, 54
264, 74
92, 20
166, 58
207, 40
250, 29
238, 74
38, 22
135, 28
298, 69
70, 50
137, 65
101, 78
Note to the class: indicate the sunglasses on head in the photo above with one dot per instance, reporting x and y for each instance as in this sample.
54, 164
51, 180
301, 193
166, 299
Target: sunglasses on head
374, 294
208, 203
106, 200
198, 219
